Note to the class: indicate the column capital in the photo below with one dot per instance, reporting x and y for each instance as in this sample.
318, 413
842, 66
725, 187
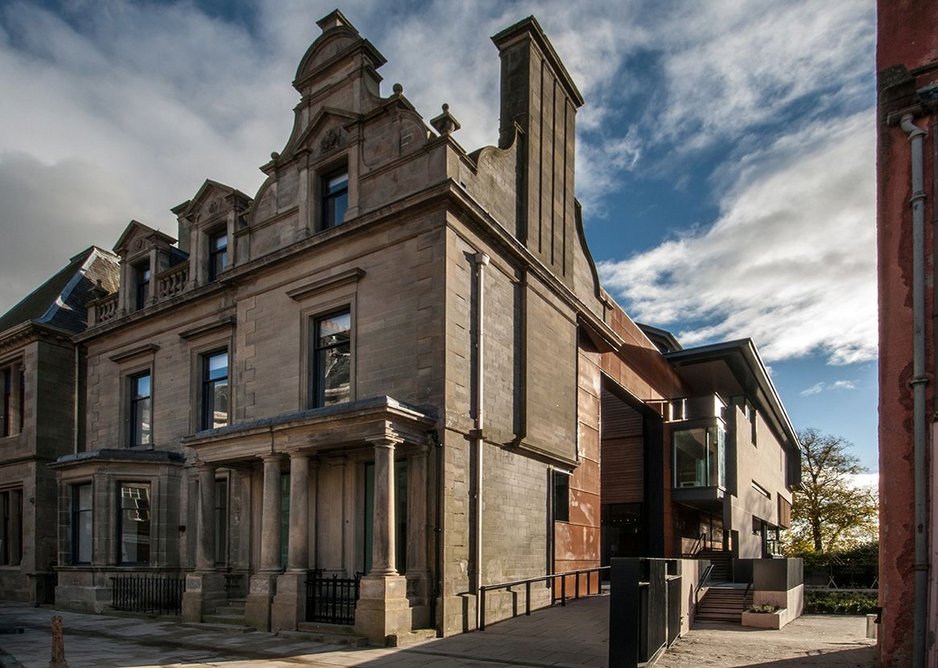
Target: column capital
298, 455
272, 457
204, 467
385, 441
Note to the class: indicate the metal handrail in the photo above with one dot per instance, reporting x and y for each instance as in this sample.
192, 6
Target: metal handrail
698, 544
703, 580
527, 582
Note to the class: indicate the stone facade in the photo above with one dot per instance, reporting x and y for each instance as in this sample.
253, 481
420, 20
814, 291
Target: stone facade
388, 364
38, 364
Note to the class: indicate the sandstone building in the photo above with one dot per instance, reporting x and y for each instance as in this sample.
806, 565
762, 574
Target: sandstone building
396, 360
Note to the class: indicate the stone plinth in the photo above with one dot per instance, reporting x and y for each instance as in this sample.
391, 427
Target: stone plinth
289, 603
204, 591
258, 605
382, 609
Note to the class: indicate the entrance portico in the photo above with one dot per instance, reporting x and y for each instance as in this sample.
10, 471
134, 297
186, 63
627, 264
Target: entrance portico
324, 452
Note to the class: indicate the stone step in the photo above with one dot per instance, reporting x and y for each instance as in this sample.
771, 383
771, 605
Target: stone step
337, 638
414, 637
223, 618
216, 626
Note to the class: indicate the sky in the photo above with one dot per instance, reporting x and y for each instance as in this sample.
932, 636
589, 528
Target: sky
724, 154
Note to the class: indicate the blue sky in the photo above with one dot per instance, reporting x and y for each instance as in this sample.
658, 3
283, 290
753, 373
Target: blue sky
725, 151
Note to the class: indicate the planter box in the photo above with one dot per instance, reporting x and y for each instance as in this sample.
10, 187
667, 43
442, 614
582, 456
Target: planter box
768, 620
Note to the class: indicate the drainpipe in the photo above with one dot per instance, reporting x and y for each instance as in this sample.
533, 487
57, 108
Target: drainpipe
480, 260
916, 135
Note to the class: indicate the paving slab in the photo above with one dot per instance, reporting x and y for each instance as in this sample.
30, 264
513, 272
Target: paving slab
574, 636
828, 641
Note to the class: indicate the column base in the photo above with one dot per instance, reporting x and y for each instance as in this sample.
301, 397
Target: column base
382, 609
257, 608
204, 591
289, 603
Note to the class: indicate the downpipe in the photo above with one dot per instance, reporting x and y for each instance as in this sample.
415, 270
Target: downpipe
480, 260
919, 379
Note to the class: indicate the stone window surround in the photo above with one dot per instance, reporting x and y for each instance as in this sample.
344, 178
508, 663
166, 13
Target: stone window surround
73, 512
317, 375
212, 252
126, 374
344, 161
325, 297
12, 415
11, 526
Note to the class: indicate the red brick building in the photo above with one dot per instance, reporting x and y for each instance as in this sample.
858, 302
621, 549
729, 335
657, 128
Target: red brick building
907, 184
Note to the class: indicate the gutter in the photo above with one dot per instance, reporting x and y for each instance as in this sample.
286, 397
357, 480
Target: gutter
918, 382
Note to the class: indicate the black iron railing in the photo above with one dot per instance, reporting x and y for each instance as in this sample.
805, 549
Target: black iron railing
331, 600
551, 581
147, 593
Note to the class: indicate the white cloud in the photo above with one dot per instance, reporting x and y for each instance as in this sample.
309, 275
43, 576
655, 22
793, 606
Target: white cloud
153, 98
817, 388
729, 66
790, 262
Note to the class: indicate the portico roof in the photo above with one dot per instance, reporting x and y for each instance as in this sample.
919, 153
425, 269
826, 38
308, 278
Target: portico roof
324, 429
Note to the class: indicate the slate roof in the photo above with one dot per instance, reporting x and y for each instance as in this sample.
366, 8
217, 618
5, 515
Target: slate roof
61, 301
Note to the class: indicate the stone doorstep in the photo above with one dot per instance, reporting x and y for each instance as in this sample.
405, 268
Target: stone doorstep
219, 626
336, 638
415, 637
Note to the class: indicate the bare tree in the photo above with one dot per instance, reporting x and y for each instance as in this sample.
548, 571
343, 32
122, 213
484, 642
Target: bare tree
831, 511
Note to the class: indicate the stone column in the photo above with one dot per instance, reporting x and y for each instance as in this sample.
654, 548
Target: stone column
264, 582
205, 588
289, 605
417, 572
383, 609
205, 545
384, 548
270, 518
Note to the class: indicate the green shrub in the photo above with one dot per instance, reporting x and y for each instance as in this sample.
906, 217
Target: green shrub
839, 602
764, 608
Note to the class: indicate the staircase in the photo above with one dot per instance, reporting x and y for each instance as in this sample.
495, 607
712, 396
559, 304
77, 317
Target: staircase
231, 614
723, 604
722, 564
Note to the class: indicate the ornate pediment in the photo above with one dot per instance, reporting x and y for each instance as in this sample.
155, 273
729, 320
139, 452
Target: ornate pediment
339, 43
212, 201
138, 238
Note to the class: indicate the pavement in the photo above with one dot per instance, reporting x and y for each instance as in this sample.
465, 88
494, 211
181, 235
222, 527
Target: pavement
574, 636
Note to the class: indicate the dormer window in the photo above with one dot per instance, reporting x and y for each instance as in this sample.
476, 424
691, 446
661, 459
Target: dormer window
334, 198
142, 285
217, 253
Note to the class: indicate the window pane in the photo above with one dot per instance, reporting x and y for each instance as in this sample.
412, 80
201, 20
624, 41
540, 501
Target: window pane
135, 523
218, 365
331, 357
690, 458
334, 199
142, 386
140, 405
335, 375
81, 524
219, 416
335, 329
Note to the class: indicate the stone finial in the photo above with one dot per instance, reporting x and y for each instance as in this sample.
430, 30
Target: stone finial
398, 89
58, 644
445, 123
334, 19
